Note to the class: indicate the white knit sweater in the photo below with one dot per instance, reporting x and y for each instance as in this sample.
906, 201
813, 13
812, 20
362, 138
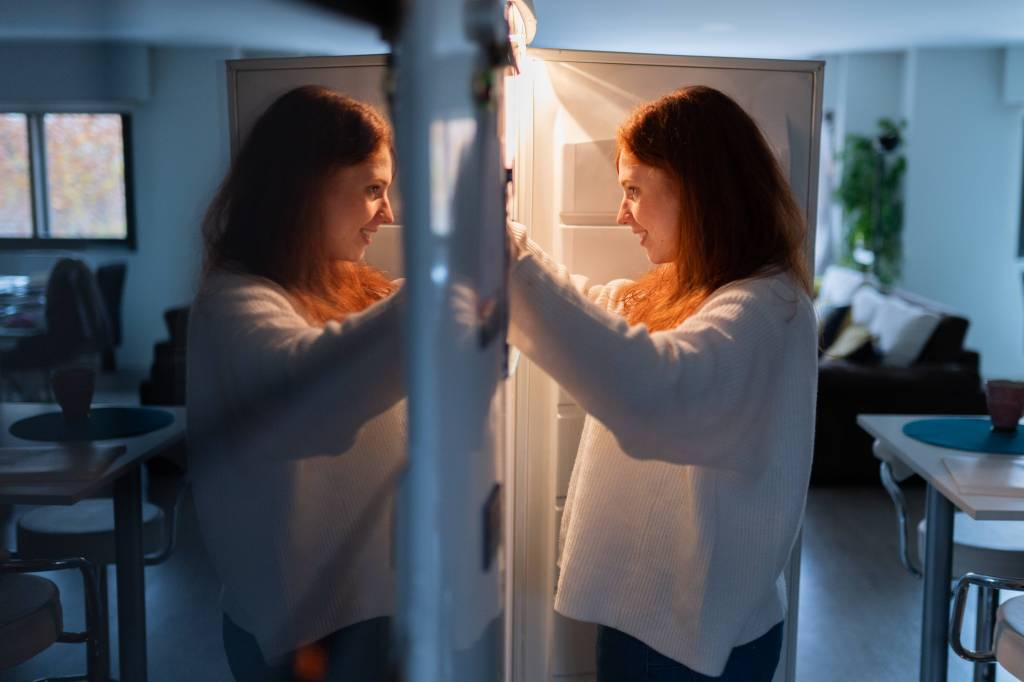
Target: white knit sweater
691, 478
296, 436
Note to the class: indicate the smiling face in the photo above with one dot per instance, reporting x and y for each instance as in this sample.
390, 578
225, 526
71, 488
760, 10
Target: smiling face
356, 204
650, 206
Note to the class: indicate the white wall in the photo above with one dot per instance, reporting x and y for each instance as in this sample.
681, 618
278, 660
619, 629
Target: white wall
963, 196
963, 184
874, 90
36, 72
180, 153
861, 88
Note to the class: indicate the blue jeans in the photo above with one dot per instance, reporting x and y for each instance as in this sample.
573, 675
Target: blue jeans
621, 658
357, 653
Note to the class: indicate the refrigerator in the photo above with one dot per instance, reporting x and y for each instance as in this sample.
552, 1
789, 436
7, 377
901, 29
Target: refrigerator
557, 121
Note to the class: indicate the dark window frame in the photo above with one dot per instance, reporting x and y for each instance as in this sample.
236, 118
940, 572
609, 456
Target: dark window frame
40, 197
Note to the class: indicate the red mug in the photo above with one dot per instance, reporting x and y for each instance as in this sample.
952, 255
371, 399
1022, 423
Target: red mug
1005, 403
73, 388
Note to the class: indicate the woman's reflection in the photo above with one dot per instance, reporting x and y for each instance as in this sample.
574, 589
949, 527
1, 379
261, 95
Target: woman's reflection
296, 428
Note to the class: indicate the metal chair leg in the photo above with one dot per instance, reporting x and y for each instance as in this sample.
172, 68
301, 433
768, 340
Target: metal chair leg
988, 604
900, 502
956, 621
103, 615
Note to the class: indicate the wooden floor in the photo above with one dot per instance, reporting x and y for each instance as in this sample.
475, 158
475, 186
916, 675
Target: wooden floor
859, 611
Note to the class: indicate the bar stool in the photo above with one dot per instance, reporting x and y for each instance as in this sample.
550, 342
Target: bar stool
32, 618
995, 547
86, 529
892, 471
991, 547
1006, 644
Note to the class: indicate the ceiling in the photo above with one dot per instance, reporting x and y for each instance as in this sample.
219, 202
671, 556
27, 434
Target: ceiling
786, 28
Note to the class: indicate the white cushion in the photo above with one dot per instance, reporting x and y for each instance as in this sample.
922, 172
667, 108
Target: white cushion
84, 529
901, 330
864, 306
1009, 636
900, 471
989, 547
838, 284
30, 617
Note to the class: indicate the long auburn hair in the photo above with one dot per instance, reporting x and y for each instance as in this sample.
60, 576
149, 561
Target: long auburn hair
738, 216
265, 218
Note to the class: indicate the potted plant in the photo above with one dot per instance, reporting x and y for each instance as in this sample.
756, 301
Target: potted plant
871, 195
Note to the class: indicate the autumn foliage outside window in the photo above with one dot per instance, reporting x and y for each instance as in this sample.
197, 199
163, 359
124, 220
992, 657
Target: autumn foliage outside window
63, 178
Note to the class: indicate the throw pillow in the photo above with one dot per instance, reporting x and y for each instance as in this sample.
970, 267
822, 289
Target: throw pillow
902, 330
839, 283
831, 322
853, 343
864, 305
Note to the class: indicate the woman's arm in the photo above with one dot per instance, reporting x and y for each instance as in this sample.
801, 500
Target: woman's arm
689, 395
318, 385
521, 245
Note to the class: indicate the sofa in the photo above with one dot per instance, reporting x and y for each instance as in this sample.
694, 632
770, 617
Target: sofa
883, 351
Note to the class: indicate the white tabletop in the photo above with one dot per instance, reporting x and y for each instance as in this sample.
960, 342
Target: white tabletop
138, 449
926, 462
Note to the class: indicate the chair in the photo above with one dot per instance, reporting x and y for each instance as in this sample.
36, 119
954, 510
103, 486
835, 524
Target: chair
166, 382
110, 280
166, 386
31, 616
77, 325
993, 547
891, 471
86, 528
1003, 640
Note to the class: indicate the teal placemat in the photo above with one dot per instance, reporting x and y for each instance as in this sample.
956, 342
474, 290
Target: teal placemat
103, 423
966, 434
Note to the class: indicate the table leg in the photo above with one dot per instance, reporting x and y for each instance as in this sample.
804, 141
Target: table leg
131, 588
937, 567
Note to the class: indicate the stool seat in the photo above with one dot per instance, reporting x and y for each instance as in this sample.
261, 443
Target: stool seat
30, 617
900, 471
1009, 636
84, 529
990, 547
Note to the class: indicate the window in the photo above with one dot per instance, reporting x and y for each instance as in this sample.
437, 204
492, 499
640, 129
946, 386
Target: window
64, 180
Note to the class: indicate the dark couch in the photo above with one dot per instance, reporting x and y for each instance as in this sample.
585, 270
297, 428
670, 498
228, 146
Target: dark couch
943, 380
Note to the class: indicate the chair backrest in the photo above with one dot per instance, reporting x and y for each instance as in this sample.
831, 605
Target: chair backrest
110, 279
166, 382
76, 317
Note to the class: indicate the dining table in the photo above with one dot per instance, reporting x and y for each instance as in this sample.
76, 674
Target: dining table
110, 462
943, 495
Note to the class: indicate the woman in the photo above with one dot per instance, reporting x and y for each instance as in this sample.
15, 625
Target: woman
295, 427
699, 381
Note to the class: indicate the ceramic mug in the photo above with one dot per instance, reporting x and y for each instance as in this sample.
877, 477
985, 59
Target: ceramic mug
73, 388
1005, 403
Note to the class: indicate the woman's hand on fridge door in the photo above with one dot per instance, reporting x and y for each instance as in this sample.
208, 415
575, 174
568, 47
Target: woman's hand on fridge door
464, 306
